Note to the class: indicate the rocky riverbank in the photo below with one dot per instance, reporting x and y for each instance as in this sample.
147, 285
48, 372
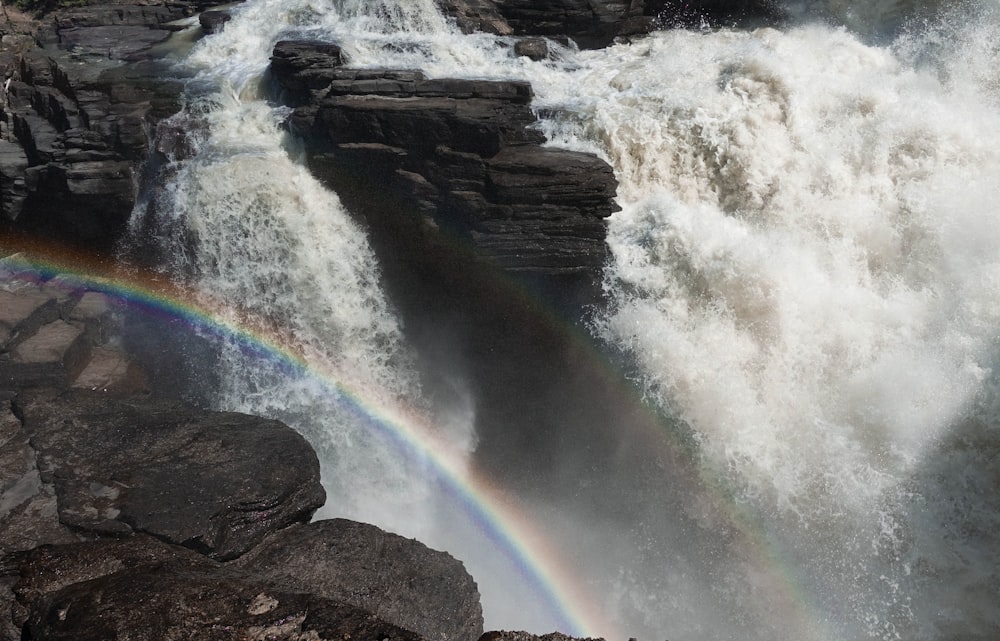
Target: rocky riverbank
122, 512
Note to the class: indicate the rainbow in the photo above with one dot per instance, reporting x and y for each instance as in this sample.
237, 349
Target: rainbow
495, 514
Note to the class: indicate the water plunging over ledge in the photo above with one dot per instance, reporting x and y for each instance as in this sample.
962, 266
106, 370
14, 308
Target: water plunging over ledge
804, 280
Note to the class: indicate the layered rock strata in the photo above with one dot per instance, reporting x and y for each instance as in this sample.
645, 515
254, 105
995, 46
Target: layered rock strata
462, 152
79, 101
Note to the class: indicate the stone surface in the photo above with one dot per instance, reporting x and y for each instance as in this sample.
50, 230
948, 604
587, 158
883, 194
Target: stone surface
213, 21
505, 635
187, 476
174, 602
592, 23
400, 580
462, 153
28, 511
56, 334
50, 568
596, 23
80, 105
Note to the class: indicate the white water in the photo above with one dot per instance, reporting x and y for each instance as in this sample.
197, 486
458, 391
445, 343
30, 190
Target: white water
806, 272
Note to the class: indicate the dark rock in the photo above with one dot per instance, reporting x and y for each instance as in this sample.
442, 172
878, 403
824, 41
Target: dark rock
80, 107
183, 475
591, 23
304, 66
596, 23
476, 15
213, 21
533, 48
55, 335
398, 579
175, 601
462, 152
504, 635
50, 568
28, 512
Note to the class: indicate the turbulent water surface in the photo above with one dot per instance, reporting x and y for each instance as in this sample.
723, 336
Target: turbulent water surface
805, 277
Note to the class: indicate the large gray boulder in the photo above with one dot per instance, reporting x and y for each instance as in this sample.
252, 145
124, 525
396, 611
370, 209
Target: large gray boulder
212, 481
144, 589
401, 580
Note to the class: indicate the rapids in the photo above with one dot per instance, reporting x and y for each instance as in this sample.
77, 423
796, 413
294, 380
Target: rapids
805, 283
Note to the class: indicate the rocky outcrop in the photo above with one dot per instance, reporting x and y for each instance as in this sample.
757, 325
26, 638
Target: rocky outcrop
144, 589
591, 23
596, 23
77, 111
56, 334
184, 475
461, 152
398, 579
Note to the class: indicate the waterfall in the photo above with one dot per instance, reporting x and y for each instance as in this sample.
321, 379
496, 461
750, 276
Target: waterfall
804, 278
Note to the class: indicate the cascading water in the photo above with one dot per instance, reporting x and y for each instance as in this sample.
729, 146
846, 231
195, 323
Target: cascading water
805, 275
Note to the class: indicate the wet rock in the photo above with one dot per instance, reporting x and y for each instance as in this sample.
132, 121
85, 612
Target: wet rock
400, 580
28, 514
53, 335
174, 601
533, 48
596, 23
80, 106
504, 635
463, 152
50, 568
187, 476
214, 21
592, 23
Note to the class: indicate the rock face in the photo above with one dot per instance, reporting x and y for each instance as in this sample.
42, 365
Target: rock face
186, 476
595, 23
55, 334
149, 590
76, 112
400, 580
461, 152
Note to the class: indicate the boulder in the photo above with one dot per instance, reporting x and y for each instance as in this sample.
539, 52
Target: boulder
400, 580
176, 599
187, 476
50, 568
213, 21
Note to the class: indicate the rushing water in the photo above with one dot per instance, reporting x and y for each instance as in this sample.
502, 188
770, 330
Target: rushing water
805, 275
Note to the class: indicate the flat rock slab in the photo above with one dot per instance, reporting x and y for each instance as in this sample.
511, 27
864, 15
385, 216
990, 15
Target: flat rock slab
110, 370
212, 481
50, 344
399, 579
